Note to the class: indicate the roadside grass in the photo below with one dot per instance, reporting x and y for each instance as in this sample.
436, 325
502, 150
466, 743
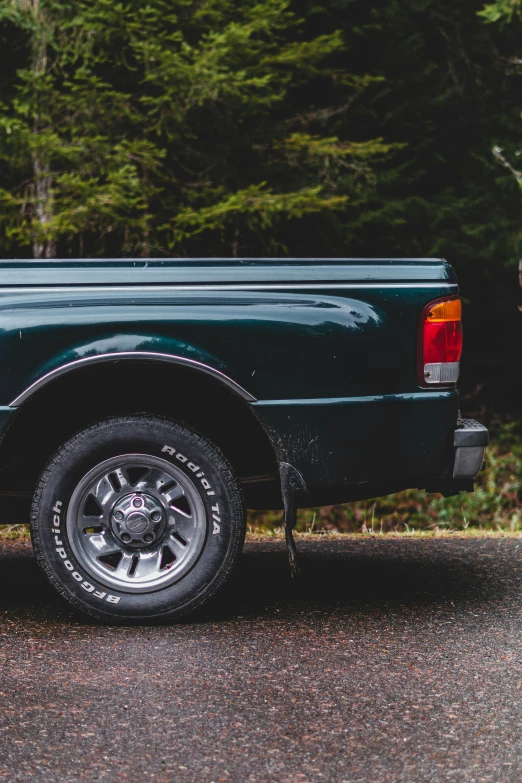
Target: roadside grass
493, 510
14, 532
278, 534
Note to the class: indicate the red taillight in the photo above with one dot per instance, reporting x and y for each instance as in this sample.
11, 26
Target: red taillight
440, 342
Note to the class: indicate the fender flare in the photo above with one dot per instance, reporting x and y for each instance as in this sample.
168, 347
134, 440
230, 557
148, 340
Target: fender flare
130, 355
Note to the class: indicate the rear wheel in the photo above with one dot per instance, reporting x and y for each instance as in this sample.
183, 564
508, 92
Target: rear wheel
138, 519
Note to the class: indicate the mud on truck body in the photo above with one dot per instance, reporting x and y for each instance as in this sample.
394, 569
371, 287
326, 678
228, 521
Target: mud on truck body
145, 404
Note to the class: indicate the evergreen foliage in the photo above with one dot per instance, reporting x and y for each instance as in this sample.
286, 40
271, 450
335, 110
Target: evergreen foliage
502, 10
169, 127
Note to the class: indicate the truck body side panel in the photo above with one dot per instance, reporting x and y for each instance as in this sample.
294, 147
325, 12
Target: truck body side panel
327, 351
355, 440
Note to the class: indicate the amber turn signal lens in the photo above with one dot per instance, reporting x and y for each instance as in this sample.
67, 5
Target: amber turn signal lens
450, 310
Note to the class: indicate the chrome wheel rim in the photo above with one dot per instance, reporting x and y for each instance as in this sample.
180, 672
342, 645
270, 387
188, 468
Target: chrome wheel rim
136, 522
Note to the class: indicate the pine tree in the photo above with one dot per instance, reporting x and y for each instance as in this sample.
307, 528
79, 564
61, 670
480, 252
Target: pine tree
172, 127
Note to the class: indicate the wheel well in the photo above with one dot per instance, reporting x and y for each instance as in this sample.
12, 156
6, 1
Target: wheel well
83, 396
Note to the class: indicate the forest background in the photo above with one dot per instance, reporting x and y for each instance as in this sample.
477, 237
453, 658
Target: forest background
235, 127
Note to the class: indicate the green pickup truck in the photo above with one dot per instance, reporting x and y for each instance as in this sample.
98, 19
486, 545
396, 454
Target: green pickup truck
145, 404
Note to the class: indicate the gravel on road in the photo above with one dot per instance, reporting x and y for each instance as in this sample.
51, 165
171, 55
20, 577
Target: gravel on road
385, 660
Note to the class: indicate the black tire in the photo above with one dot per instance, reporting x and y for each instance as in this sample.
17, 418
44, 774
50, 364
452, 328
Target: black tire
64, 547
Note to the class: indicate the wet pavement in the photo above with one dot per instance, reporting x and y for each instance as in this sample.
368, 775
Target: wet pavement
385, 660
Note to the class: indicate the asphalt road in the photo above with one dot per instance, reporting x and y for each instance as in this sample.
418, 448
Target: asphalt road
386, 660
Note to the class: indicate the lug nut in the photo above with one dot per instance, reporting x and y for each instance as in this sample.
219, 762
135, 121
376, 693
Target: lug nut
118, 515
125, 537
148, 537
137, 502
155, 516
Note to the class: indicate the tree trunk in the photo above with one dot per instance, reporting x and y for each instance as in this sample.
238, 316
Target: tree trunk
41, 168
43, 206
235, 242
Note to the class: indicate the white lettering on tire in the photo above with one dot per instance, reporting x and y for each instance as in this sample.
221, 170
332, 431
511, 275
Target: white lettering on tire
88, 587
216, 520
56, 523
194, 468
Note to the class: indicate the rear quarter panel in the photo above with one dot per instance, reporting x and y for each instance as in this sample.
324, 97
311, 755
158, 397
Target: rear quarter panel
332, 366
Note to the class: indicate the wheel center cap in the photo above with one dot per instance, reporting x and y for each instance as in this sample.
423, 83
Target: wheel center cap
137, 523
138, 519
